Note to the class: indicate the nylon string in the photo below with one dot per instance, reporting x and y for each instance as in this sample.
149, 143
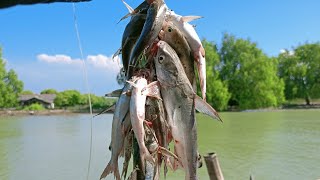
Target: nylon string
85, 72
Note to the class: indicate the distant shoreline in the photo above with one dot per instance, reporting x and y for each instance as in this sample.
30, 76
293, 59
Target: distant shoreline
11, 112
27, 112
45, 112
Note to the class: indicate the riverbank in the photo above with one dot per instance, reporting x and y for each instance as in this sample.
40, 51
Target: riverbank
42, 112
95, 111
12, 112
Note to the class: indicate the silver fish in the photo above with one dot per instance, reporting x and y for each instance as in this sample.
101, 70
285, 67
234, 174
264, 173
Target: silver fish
150, 31
137, 114
175, 38
117, 136
130, 36
179, 101
182, 22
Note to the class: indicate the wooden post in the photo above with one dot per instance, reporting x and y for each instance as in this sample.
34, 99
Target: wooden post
251, 177
213, 167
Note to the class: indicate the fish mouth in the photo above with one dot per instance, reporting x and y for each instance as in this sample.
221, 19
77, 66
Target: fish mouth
161, 34
160, 44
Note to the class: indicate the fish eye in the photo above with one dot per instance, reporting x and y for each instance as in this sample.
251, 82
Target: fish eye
160, 59
169, 29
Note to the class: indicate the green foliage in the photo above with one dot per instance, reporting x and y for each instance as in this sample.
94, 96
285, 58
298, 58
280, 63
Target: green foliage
300, 70
217, 91
49, 91
251, 76
10, 86
26, 92
68, 98
71, 98
34, 107
98, 102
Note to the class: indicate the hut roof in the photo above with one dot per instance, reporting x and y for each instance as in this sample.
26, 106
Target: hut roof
48, 98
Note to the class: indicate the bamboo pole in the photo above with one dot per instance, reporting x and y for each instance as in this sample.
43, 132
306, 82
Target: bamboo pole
213, 167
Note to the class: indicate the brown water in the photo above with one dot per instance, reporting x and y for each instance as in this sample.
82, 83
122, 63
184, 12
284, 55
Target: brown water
268, 145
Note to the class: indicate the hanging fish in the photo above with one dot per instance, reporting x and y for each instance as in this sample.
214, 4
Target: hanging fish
130, 36
151, 28
182, 22
120, 116
171, 34
137, 115
180, 101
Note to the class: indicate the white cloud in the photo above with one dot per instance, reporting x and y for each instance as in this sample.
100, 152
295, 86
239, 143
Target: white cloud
290, 53
102, 61
94, 61
59, 58
64, 72
283, 51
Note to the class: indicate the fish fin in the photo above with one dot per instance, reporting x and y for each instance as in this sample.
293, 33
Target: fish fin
117, 53
106, 110
152, 90
190, 18
168, 162
173, 163
134, 13
124, 17
167, 153
132, 84
115, 93
130, 9
107, 170
205, 108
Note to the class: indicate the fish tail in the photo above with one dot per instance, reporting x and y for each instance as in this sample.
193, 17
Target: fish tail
111, 167
107, 170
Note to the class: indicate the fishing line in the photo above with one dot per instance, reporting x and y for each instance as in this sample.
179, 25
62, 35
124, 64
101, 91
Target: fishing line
85, 72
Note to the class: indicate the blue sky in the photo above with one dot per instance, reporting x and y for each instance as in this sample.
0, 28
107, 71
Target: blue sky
39, 42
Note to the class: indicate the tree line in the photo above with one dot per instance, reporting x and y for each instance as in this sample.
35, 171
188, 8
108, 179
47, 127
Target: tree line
11, 87
73, 98
239, 74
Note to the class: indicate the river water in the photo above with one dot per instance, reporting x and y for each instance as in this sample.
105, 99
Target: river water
268, 145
